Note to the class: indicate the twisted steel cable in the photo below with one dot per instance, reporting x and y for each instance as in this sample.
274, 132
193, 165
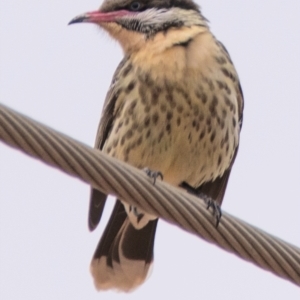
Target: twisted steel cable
114, 177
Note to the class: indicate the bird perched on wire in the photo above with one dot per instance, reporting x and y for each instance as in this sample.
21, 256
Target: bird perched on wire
174, 106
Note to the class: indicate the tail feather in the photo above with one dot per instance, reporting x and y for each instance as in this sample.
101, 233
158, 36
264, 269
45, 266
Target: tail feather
124, 254
97, 203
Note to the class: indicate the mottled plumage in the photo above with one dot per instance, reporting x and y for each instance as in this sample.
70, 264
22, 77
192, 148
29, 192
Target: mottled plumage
175, 105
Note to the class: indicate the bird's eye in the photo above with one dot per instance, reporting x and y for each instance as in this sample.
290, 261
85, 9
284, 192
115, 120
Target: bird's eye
135, 5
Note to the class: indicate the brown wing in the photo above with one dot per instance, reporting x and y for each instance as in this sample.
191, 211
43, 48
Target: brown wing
239, 91
97, 198
216, 189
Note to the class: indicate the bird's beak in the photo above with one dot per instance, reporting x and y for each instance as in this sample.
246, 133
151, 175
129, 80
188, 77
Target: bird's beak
99, 17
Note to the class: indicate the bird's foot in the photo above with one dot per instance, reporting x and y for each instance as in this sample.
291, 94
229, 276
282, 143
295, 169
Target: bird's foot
138, 215
217, 212
153, 174
210, 203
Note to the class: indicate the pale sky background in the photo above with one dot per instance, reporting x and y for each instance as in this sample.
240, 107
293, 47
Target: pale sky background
59, 76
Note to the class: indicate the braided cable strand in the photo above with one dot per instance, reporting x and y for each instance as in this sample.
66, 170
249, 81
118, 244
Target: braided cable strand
133, 186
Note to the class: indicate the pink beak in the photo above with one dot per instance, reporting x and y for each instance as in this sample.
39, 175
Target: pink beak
99, 17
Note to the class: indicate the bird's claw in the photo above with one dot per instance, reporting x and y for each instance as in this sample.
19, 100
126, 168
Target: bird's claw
217, 212
215, 207
153, 174
136, 213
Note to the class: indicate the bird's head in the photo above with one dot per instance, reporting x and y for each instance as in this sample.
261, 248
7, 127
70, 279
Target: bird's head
133, 22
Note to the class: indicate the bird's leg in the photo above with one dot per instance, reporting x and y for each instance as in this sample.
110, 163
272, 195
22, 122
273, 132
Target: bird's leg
217, 212
134, 210
153, 174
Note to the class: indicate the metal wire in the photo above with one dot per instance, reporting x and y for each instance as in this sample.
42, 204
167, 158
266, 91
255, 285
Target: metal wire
133, 186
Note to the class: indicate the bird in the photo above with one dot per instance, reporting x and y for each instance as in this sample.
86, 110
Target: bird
175, 109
